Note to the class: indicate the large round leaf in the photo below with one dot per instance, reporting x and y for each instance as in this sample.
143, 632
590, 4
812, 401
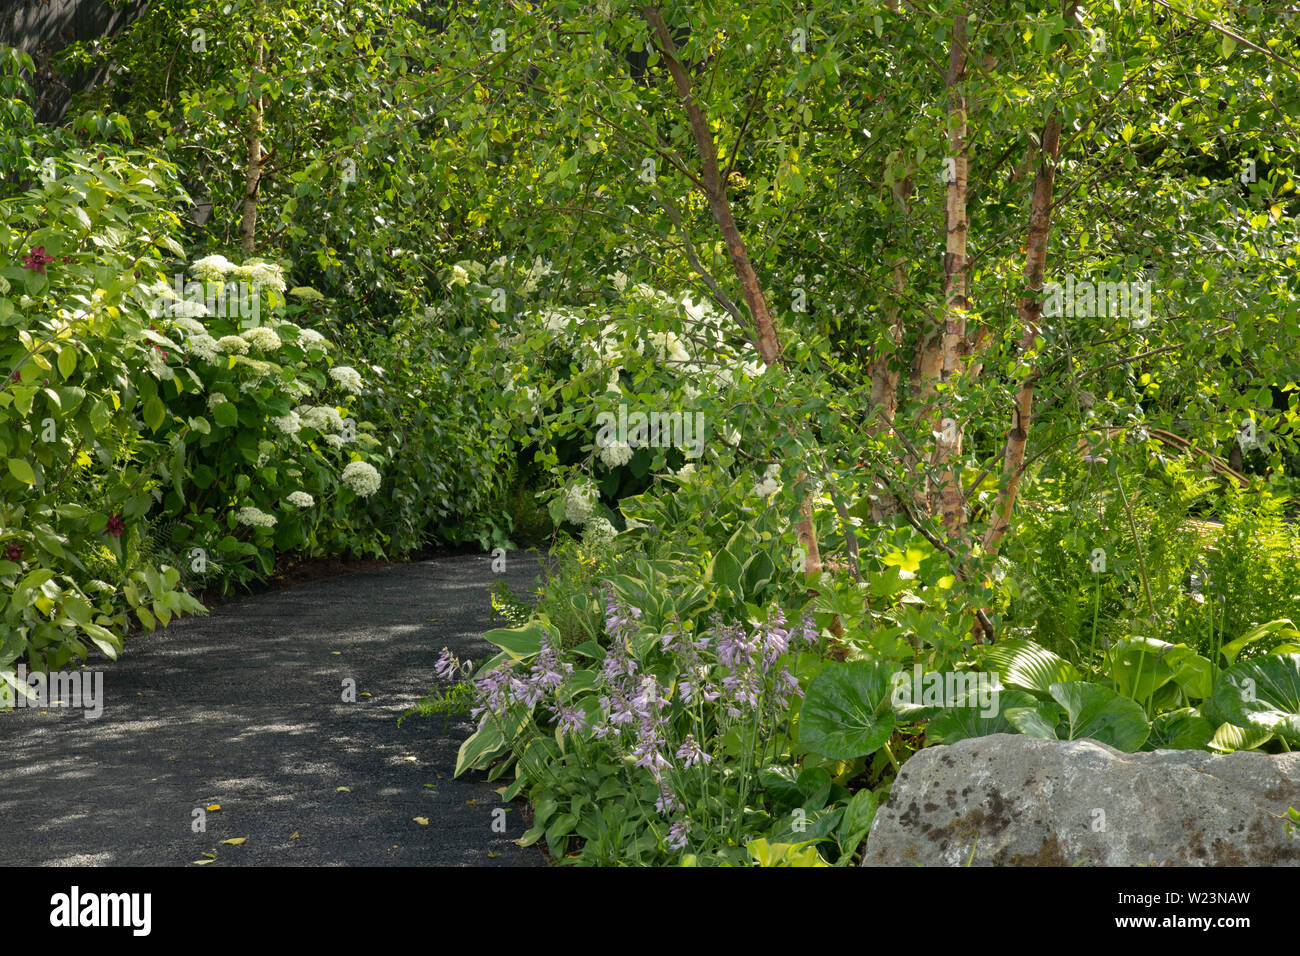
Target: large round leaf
1098, 713
1263, 694
846, 712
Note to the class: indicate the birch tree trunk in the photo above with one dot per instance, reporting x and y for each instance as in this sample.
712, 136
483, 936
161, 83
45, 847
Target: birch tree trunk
1030, 309
769, 346
948, 445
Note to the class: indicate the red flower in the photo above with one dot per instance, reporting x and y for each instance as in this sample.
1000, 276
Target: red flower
115, 526
14, 552
37, 259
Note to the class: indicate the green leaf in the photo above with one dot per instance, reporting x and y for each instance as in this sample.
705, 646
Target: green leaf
226, 414
519, 642
960, 723
22, 471
1263, 695
155, 413
1098, 713
1230, 737
1024, 664
1183, 729
846, 712
1282, 627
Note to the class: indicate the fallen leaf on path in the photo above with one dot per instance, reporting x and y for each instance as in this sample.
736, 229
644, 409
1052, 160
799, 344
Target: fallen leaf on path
422, 821
235, 841
213, 807
201, 862
343, 790
294, 835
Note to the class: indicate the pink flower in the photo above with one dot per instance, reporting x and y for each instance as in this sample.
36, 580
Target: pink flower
37, 259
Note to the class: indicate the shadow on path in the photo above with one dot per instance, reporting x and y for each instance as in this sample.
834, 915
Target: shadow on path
243, 708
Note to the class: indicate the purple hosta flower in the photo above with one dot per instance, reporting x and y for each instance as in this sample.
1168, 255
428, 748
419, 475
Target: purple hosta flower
618, 711
569, 719
618, 662
787, 686
677, 835
447, 665
775, 639
647, 755
493, 690
735, 647
742, 690
809, 628
620, 618
690, 754
667, 801
649, 699
548, 671
526, 691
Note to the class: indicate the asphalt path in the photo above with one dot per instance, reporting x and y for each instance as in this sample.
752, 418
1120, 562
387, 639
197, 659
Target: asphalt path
243, 709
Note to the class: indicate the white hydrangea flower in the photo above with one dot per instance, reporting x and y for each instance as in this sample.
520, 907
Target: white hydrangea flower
320, 417
616, 454
215, 399
686, 472
459, 276
620, 280
580, 501
598, 533
347, 378
258, 272
188, 308
311, 339
190, 325
204, 346
334, 441
362, 478
297, 388
288, 424
264, 450
262, 337
254, 518
668, 347
212, 268
300, 499
771, 482
232, 345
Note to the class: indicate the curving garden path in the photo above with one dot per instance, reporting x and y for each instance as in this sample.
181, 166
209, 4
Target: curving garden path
243, 709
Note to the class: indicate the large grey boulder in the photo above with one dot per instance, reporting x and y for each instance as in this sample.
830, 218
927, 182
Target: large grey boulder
1024, 801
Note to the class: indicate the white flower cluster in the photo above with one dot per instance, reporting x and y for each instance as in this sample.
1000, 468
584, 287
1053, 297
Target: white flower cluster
233, 345
254, 518
580, 501
215, 399
598, 534
212, 268
288, 424
262, 338
361, 477
771, 482
615, 454
205, 347
320, 417
258, 272
311, 339
300, 499
347, 378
